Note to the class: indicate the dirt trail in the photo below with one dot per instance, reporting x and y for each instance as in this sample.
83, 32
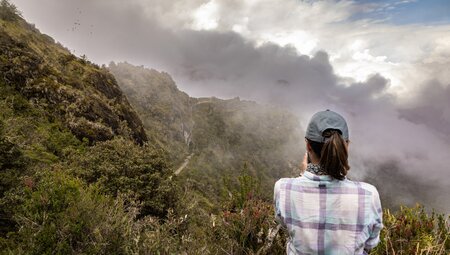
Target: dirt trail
185, 163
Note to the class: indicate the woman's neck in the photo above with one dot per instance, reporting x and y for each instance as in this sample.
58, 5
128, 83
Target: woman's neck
313, 158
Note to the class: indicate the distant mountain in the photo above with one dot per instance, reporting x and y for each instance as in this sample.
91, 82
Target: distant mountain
222, 135
166, 112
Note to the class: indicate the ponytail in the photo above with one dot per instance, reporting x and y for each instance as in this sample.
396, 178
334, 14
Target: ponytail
333, 154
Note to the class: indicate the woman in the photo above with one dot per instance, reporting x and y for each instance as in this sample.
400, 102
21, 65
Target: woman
323, 211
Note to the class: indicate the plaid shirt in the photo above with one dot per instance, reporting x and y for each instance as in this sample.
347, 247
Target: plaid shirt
328, 216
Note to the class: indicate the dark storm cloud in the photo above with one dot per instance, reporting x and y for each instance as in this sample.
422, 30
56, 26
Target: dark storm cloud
430, 107
225, 64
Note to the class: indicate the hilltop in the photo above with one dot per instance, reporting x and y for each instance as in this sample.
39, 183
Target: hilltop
85, 97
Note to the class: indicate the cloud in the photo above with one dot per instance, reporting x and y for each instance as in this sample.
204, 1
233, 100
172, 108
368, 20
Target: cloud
430, 107
392, 134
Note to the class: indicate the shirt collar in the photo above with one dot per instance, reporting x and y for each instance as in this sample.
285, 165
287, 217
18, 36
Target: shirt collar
314, 177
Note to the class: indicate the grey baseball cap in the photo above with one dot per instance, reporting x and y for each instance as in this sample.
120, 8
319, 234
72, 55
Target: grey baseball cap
324, 120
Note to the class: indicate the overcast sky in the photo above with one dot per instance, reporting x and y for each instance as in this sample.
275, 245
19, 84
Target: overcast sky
383, 64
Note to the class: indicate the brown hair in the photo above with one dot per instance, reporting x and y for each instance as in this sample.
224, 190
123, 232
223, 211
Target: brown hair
333, 154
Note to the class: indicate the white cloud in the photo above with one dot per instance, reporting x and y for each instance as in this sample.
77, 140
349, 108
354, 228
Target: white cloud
205, 17
357, 49
408, 55
303, 41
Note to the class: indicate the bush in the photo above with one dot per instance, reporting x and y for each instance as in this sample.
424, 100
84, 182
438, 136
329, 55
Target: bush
12, 163
58, 214
163, 237
413, 231
121, 166
12, 166
250, 228
248, 188
249, 221
8, 11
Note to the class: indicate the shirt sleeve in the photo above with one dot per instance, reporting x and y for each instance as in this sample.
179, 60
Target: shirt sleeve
377, 222
276, 200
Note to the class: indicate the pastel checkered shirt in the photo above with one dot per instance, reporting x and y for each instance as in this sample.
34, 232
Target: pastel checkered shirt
328, 216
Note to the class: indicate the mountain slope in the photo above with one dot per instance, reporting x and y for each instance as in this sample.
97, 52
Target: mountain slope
74, 157
223, 135
85, 97
165, 111
231, 134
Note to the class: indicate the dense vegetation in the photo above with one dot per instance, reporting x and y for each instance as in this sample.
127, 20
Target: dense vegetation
80, 173
76, 172
83, 96
221, 135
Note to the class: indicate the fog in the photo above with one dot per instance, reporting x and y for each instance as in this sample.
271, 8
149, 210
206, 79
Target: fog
399, 142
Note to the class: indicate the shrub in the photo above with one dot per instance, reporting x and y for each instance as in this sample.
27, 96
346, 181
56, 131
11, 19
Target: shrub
413, 231
58, 214
251, 227
12, 166
162, 237
249, 221
121, 166
12, 163
247, 189
8, 11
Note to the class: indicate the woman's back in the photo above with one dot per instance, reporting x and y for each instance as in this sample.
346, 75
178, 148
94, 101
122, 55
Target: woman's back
328, 216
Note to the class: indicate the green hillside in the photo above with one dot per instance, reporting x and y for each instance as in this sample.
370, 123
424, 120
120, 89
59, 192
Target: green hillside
221, 135
76, 169
91, 165
85, 97
229, 135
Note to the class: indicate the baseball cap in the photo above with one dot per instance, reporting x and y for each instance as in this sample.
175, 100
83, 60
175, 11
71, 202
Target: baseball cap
324, 120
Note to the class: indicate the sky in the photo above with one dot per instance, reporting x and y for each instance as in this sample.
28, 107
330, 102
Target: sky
384, 65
